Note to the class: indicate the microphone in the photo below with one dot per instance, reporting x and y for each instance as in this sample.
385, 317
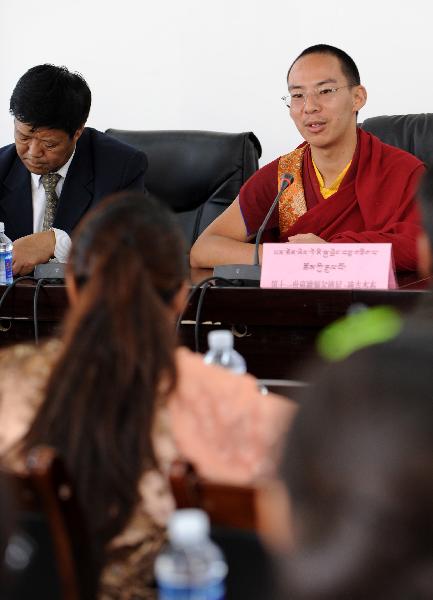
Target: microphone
50, 270
250, 274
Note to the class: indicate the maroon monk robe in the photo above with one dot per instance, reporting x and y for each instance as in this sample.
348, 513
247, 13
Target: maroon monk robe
374, 203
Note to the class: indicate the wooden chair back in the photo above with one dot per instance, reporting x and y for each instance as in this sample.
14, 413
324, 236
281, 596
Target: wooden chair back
45, 491
226, 504
235, 525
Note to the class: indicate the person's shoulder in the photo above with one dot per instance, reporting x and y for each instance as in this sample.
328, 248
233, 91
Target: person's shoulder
265, 176
24, 371
110, 156
104, 143
17, 354
271, 167
30, 359
231, 413
7, 156
7, 150
393, 155
210, 380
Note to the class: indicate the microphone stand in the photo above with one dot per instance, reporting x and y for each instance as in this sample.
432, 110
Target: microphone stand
249, 275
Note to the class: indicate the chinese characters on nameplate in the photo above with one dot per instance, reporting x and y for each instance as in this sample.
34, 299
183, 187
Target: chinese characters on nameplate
328, 266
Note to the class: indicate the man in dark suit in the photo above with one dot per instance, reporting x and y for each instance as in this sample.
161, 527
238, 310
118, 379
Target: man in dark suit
58, 168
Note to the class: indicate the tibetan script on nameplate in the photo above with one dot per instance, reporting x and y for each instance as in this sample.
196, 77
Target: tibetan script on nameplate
328, 266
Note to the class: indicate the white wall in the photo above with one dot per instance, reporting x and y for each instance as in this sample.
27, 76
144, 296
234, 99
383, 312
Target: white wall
215, 64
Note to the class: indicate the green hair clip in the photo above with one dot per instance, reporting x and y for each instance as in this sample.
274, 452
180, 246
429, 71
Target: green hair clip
358, 330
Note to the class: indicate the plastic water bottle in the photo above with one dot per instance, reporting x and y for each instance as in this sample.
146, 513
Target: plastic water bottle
191, 567
221, 352
6, 247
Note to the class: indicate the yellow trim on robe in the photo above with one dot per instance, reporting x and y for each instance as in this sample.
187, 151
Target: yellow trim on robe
328, 191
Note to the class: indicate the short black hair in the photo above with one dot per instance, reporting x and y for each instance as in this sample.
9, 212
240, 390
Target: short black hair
51, 97
425, 199
348, 66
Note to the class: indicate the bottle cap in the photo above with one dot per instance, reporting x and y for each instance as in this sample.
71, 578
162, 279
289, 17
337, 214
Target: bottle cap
188, 526
220, 339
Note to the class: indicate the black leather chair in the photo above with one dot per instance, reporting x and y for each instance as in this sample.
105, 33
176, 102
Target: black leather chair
413, 133
197, 173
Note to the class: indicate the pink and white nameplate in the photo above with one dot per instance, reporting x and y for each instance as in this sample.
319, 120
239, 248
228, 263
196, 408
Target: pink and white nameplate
328, 266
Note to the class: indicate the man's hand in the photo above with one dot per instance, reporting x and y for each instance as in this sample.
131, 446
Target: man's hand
305, 238
32, 250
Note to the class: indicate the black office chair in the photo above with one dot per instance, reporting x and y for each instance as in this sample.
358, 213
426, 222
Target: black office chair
197, 173
413, 133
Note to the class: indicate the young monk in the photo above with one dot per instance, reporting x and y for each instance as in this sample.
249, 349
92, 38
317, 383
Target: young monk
348, 185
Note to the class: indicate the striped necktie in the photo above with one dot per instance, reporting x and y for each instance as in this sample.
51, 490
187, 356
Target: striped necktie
49, 181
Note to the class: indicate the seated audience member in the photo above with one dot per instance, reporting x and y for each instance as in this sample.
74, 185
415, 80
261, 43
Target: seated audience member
424, 308
58, 168
120, 402
425, 238
348, 186
358, 468
382, 323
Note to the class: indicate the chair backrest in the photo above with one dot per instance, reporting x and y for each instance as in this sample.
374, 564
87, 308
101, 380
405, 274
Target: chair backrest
49, 536
227, 505
413, 133
197, 173
235, 524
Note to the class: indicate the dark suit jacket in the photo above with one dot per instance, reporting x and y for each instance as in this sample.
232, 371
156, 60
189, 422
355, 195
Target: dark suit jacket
101, 166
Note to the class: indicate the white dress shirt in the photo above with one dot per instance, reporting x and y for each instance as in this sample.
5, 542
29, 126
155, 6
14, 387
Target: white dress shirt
39, 200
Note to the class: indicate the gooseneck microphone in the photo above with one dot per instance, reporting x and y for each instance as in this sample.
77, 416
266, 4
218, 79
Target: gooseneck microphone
286, 180
250, 274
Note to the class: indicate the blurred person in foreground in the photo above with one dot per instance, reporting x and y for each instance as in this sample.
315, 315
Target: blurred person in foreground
120, 402
425, 239
371, 325
423, 311
357, 496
